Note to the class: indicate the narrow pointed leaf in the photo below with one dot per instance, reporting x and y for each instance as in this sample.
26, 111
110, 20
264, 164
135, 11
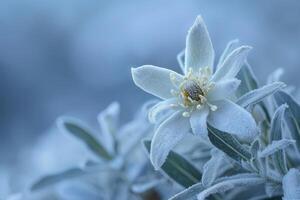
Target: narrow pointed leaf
229, 184
190, 193
179, 169
259, 94
292, 114
56, 178
248, 80
228, 144
275, 147
276, 135
77, 129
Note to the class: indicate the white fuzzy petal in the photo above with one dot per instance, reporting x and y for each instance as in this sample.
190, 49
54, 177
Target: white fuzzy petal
168, 134
155, 80
160, 107
199, 51
223, 89
232, 64
233, 44
198, 121
233, 119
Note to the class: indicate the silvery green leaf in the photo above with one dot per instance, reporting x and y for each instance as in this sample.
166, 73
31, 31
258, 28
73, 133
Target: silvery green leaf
189, 193
109, 122
180, 60
248, 80
254, 147
292, 114
276, 135
257, 95
229, 183
216, 166
233, 44
167, 136
56, 178
199, 51
228, 144
291, 185
179, 169
259, 113
276, 146
78, 129
273, 189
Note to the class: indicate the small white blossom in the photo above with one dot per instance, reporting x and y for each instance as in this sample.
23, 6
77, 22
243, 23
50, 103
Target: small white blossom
196, 97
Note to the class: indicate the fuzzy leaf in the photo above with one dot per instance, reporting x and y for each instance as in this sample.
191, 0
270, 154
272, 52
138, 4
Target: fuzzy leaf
178, 168
56, 178
257, 95
292, 114
213, 168
276, 135
228, 144
190, 193
77, 129
248, 80
275, 147
229, 183
291, 185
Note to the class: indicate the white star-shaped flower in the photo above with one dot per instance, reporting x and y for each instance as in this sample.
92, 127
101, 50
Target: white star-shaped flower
196, 97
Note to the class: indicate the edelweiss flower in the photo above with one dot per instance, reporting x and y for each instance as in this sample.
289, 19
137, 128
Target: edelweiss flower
196, 97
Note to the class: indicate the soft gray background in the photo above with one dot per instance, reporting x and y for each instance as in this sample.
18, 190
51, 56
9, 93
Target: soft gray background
74, 56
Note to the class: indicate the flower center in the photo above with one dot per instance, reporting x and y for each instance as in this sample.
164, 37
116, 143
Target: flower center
192, 91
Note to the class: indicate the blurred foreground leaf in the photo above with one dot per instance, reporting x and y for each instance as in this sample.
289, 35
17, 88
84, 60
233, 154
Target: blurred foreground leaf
74, 127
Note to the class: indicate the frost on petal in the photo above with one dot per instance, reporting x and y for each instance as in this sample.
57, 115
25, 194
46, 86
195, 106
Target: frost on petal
198, 121
232, 64
160, 109
155, 80
199, 51
291, 185
223, 89
168, 134
233, 119
233, 44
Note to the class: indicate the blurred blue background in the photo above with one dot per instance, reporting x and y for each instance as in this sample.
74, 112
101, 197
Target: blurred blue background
74, 56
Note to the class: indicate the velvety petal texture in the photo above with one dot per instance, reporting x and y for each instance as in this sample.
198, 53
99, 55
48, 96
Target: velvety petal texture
168, 134
198, 121
232, 45
223, 89
155, 80
161, 107
232, 64
233, 119
199, 51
